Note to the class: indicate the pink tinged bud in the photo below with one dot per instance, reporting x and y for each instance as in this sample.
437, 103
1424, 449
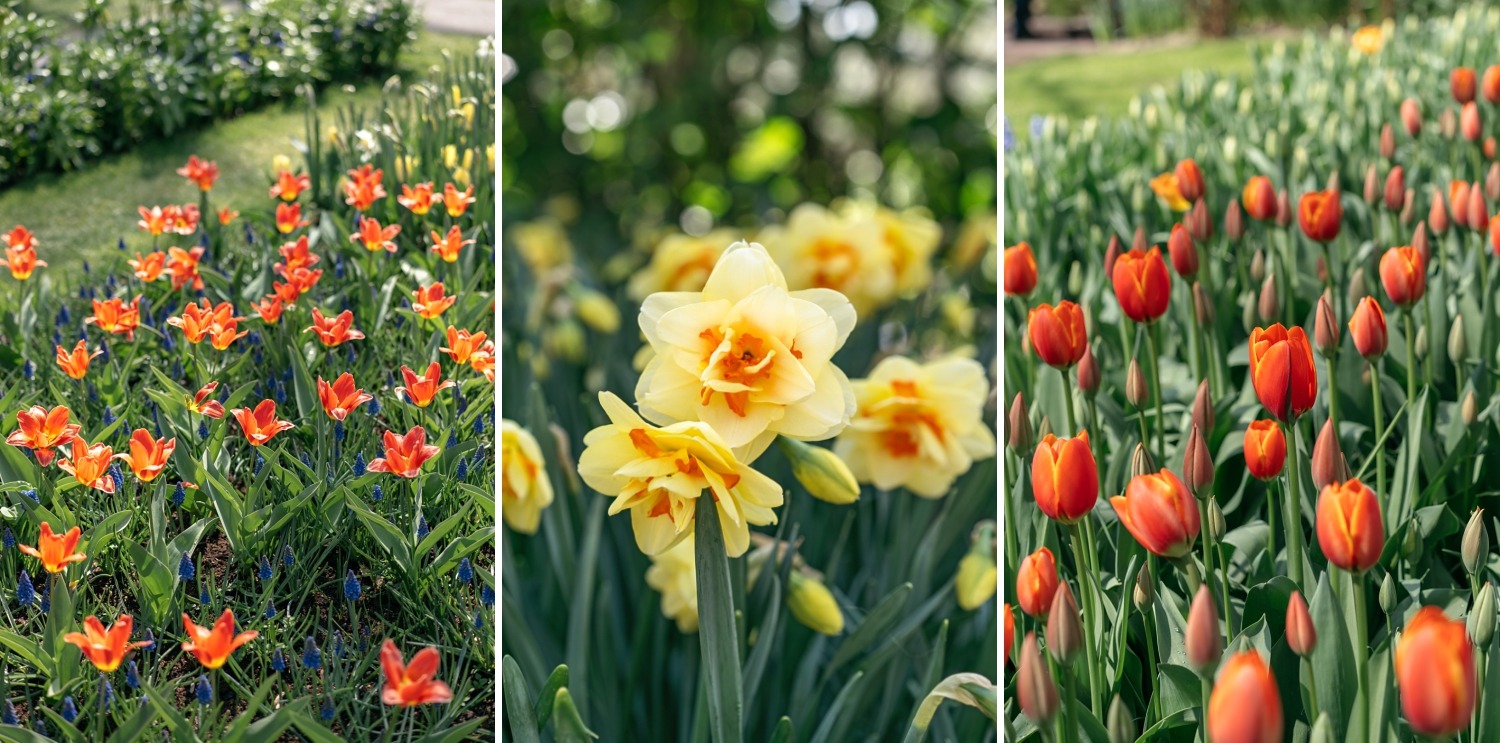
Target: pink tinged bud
1019, 425
1422, 243
1111, 254
1411, 116
1469, 122
1326, 327
1479, 213
1437, 216
1492, 182
1234, 221
1458, 198
1203, 408
1135, 386
1372, 184
1408, 206
1203, 305
1301, 636
1387, 142
1328, 464
1184, 254
1199, 224
1270, 304
1395, 189
1205, 644
1035, 689
1283, 208
1064, 632
1139, 241
1447, 123
1198, 466
1088, 372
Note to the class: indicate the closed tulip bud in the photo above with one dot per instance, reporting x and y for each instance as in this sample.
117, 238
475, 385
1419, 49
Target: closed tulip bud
1138, 242
1110, 254
824, 475
1321, 214
1333, 181
1437, 216
1367, 328
1265, 449
1404, 275
1144, 593
1064, 632
1461, 84
1203, 408
1045, 429
1387, 594
813, 604
1121, 726
1204, 642
1468, 122
1435, 674
1136, 392
1203, 305
1189, 180
1358, 289
1322, 730
1395, 189
1475, 547
1283, 208
1411, 546
1325, 327
1035, 690
1065, 478
1481, 624
1372, 184
1422, 243
1216, 524
1387, 142
1492, 182
1469, 409
1349, 526
1248, 310
1327, 458
1408, 206
1301, 635
1260, 199
1490, 84
1018, 424
1321, 268
1365, 378
1269, 305
1477, 216
1140, 461
1057, 334
1421, 344
1200, 225
1198, 466
1075, 278
1036, 583
1184, 253
1234, 221
1411, 116
1447, 123
1458, 202
1245, 705
1010, 634
1088, 373
1258, 266
1019, 270
1495, 234
1489, 148
1160, 513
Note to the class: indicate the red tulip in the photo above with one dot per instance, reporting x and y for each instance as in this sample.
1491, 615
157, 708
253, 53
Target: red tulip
1320, 214
1142, 284
1260, 198
1184, 253
1435, 673
1245, 706
1461, 84
1189, 180
1265, 449
1160, 513
1065, 478
1403, 273
1019, 271
1367, 328
1036, 582
1282, 370
1349, 526
1057, 333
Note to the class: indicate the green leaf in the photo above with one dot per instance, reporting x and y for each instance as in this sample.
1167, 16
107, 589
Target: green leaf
385, 533
556, 680
31, 651
455, 733
1332, 659
874, 625
836, 713
519, 715
783, 731
242, 721
718, 638
134, 728
568, 725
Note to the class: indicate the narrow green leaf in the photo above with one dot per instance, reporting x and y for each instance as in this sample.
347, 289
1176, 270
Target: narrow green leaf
568, 725
717, 636
1332, 659
875, 623
836, 710
783, 731
556, 680
519, 715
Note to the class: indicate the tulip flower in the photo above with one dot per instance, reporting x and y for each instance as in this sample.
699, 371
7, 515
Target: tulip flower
294, 256
1435, 674
1202, 641
75, 363
448, 246
1301, 635
22, 261
1184, 253
421, 389
430, 301
182, 265
1265, 449
154, 220
334, 331
203, 173
42, 430
1461, 84
19, 237
56, 551
1367, 328
404, 455
1349, 525
289, 218
203, 404
1036, 583
1260, 198
363, 187
106, 648
483, 360
374, 237
1320, 215
1468, 122
411, 685
260, 425
462, 344
456, 202
1142, 284
227, 215
148, 456
148, 268
1282, 370
89, 465
1019, 271
1160, 513
1245, 706
1057, 333
1065, 478
204, 320
1167, 189
212, 647
1403, 273
289, 186
342, 397
417, 198
1189, 180
269, 309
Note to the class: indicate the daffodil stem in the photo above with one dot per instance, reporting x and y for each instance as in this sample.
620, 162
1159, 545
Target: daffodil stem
1294, 508
1361, 654
1153, 337
1375, 374
1081, 561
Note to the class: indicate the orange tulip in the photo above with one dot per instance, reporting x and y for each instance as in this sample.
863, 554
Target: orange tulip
20, 237
269, 309
301, 281
1435, 673
1010, 633
56, 551
203, 405
448, 247
286, 292
294, 255
1367, 328
374, 237
1260, 198
404, 455
1281, 367
183, 266
89, 465
42, 430
1065, 478
260, 425
1142, 284
363, 188
1265, 449
418, 199
201, 172
1168, 190
335, 330
1189, 180
1461, 84
1458, 202
1490, 84
342, 397
411, 685
1245, 706
1057, 333
75, 363
483, 360
1036, 583
289, 186
1184, 253
457, 203
1495, 234
289, 218
203, 320
213, 647
1403, 273
421, 389
22, 261
148, 456
430, 302
1160, 513
106, 649
154, 220
1350, 530
227, 215
1320, 214
462, 344
148, 268
114, 316
1019, 270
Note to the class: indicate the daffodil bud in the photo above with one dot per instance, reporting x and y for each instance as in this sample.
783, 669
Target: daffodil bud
1203, 641
597, 311
1270, 304
1136, 390
1458, 342
1144, 593
566, 340
1475, 547
1481, 622
978, 577
1122, 727
1140, 462
1197, 465
1018, 424
822, 472
1064, 632
813, 605
1387, 594
1469, 409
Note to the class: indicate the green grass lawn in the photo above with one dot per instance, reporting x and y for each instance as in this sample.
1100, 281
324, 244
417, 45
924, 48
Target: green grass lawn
1083, 85
81, 215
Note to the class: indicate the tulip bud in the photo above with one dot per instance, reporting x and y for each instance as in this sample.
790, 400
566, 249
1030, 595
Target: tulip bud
1045, 429
813, 605
1387, 594
1322, 730
1322, 269
1204, 642
1411, 546
1139, 241
1144, 593
1283, 208
1489, 148
1199, 224
824, 475
1301, 635
1357, 288
1197, 466
1075, 278
1216, 524
1481, 623
1411, 116
1269, 305
1447, 123
1421, 345
1203, 408
1019, 426
1437, 216
1111, 254
1387, 142
1140, 462
1408, 206
1122, 727
1035, 690
1469, 409
1475, 547
1258, 266
1458, 342
1326, 327
1088, 373
1422, 243
1327, 458
1395, 189
1478, 217
1492, 182
1469, 122
1184, 253
1333, 181
1136, 391
1247, 311
1372, 184
1458, 203
1064, 633
1234, 221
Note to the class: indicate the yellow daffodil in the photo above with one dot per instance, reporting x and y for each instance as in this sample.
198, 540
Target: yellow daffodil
821, 248
918, 425
746, 356
524, 487
674, 575
680, 263
911, 236
658, 474
542, 244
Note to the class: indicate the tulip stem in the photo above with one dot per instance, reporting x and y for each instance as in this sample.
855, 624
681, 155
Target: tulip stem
1149, 620
1294, 508
1070, 709
1153, 337
1411, 362
1361, 653
1270, 522
1068, 395
1312, 685
1081, 561
1375, 375
1333, 390
1206, 684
